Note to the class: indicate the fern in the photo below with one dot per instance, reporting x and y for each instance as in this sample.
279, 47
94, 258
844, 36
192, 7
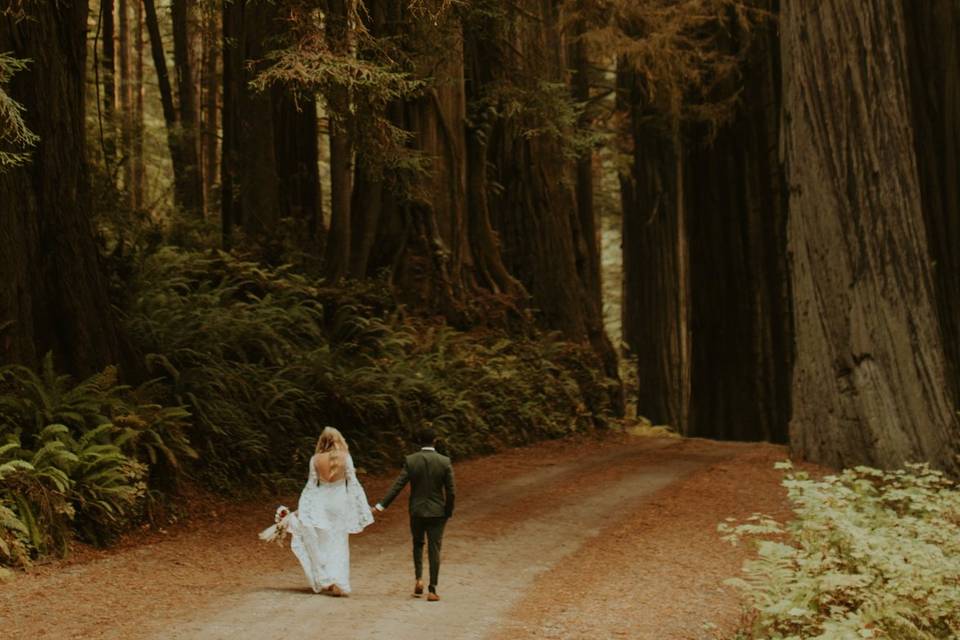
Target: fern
264, 359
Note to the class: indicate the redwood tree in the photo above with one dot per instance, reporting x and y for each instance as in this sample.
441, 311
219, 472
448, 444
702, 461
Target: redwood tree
181, 124
706, 305
735, 196
53, 294
870, 384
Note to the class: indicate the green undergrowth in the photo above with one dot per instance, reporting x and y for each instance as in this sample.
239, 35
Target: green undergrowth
869, 554
247, 364
264, 358
81, 459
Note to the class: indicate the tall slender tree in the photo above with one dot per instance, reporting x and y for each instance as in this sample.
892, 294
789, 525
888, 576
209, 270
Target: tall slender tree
187, 121
108, 51
181, 134
125, 102
139, 176
210, 99
338, 18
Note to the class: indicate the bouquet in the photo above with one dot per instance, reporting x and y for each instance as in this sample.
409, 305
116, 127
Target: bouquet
283, 520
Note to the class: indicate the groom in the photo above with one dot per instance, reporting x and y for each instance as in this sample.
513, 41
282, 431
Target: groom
431, 503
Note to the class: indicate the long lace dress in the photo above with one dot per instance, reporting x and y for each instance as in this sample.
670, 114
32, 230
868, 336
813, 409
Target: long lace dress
327, 514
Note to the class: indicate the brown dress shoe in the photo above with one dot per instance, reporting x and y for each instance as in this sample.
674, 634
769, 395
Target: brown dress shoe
432, 597
418, 588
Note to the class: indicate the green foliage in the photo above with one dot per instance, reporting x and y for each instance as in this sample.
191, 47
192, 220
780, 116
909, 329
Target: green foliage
74, 456
265, 359
15, 136
871, 554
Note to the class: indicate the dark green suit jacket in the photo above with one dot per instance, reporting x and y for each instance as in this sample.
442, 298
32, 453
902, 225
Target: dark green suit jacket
432, 491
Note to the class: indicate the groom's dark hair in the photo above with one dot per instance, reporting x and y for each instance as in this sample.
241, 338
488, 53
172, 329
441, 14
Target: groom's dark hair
426, 436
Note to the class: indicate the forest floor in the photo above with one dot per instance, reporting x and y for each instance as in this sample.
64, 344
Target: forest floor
579, 538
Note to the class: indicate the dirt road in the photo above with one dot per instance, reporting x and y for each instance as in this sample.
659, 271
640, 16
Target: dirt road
575, 539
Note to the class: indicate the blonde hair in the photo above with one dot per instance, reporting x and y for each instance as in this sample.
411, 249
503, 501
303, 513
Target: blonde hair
331, 439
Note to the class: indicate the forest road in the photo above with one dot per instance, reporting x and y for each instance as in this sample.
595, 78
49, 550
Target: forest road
583, 538
504, 535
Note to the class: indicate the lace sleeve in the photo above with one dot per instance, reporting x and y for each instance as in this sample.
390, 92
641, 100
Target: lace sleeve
356, 500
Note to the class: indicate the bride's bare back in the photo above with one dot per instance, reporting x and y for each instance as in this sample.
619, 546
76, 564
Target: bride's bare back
330, 466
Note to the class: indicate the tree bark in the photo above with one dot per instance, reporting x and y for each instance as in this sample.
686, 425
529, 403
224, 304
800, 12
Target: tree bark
53, 296
870, 381
185, 177
210, 92
109, 86
588, 247
536, 212
338, 245
656, 298
125, 102
250, 185
741, 346
187, 120
232, 61
139, 163
296, 136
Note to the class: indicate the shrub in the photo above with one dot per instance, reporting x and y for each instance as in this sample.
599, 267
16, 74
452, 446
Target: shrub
264, 359
870, 554
73, 457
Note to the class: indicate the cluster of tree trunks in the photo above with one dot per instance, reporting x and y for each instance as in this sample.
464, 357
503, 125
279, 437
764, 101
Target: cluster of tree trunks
804, 279
269, 154
791, 273
707, 307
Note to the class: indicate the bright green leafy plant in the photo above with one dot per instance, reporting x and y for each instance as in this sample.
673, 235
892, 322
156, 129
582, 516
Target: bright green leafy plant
870, 554
74, 457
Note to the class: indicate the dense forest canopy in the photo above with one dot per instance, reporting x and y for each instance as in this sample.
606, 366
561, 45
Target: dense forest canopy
264, 216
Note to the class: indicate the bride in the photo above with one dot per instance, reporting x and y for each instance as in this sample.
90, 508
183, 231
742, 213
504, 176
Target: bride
332, 506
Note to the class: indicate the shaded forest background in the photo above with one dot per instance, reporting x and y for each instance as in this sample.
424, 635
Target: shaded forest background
234, 222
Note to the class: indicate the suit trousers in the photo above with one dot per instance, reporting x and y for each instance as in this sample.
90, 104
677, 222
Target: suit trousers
432, 528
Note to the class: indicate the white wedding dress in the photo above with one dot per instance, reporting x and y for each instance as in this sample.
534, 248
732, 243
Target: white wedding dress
327, 514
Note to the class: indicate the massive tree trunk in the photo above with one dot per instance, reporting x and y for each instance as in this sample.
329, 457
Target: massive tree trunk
740, 315
870, 381
53, 295
588, 249
433, 234
656, 281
